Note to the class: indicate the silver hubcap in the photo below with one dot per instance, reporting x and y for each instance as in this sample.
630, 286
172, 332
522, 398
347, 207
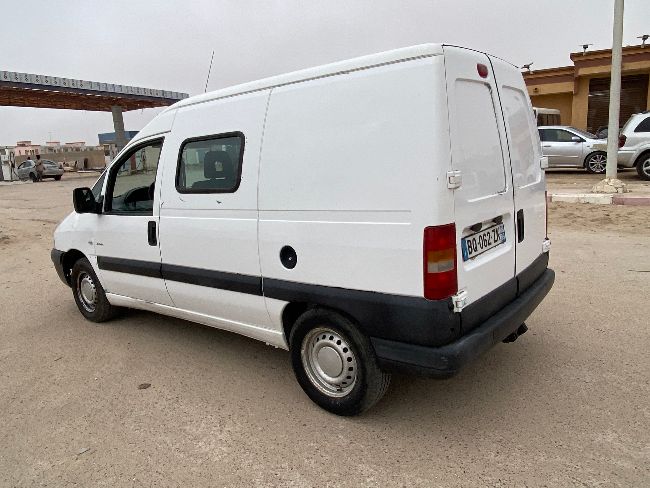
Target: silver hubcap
86, 291
598, 163
329, 362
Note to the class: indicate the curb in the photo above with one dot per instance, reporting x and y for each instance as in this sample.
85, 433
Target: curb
618, 200
598, 199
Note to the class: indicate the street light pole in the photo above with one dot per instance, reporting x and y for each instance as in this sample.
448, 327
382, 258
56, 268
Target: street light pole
615, 90
611, 184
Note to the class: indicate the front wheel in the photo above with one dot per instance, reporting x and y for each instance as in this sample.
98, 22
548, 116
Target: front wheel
597, 163
643, 167
33, 177
89, 293
57, 178
335, 363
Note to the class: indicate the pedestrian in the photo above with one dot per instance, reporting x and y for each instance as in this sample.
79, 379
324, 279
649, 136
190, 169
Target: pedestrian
40, 168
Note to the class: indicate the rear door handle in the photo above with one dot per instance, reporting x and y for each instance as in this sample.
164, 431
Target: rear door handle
520, 225
151, 233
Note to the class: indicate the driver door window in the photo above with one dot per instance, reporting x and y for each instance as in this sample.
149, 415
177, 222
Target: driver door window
132, 181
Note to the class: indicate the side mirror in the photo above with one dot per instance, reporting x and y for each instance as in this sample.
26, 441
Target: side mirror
576, 139
84, 201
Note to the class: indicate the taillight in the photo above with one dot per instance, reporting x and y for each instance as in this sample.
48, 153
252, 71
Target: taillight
621, 140
482, 70
440, 280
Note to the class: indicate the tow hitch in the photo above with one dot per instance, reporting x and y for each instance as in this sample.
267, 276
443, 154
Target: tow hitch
521, 330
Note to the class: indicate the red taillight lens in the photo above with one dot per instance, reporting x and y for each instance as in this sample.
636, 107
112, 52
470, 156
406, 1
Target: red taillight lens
621, 140
482, 70
440, 280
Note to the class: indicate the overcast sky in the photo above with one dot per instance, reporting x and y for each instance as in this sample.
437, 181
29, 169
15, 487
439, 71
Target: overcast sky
167, 44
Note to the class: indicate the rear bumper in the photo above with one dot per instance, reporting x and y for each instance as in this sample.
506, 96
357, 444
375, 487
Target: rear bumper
447, 360
57, 259
625, 158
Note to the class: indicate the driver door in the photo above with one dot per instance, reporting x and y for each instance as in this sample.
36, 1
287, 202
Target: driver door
126, 239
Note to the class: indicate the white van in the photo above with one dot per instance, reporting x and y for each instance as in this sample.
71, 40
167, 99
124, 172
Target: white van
378, 214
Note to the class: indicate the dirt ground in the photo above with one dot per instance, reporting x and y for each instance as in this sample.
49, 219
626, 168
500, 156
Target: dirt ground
579, 181
565, 405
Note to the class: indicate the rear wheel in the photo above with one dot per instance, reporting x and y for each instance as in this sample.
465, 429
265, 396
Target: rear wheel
335, 363
33, 177
89, 293
596, 163
643, 166
57, 178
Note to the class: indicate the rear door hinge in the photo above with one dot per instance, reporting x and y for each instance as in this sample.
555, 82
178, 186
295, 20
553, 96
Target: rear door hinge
454, 179
459, 300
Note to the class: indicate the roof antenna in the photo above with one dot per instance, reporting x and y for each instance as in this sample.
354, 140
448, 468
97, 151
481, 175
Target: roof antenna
585, 47
643, 38
209, 71
527, 66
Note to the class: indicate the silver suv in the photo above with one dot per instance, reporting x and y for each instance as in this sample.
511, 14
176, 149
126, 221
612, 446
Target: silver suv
634, 144
568, 147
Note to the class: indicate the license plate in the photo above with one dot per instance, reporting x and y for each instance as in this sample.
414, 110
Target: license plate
482, 241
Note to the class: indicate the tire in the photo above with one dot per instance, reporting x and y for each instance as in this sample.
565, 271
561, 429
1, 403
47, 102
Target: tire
89, 294
321, 342
57, 178
596, 163
643, 166
33, 177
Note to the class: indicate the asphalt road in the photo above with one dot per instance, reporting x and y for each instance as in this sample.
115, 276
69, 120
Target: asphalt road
565, 405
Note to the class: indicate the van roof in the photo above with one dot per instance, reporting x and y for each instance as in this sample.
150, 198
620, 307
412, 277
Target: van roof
339, 67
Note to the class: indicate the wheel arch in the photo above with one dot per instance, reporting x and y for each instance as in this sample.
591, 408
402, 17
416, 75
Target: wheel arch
294, 310
644, 153
69, 258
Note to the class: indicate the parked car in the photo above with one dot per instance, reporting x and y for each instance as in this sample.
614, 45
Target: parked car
385, 221
27, 169
634, 144
568, 147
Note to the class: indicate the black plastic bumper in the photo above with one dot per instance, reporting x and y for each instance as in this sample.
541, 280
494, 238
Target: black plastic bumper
447, 360
57, 259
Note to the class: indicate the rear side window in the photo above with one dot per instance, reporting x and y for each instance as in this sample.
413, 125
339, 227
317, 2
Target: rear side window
522, 138
476, 142
644, 126
210, 164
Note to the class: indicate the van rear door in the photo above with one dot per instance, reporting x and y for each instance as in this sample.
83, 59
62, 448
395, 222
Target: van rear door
524, 154
484, 209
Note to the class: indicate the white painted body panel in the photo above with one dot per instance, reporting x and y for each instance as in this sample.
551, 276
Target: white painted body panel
216, 231
353, 193
272, 337
524, 153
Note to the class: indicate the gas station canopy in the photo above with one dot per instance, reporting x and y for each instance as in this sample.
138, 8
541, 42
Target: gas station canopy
43, 91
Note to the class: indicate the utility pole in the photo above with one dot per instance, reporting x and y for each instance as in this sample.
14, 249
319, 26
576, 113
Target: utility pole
611, 184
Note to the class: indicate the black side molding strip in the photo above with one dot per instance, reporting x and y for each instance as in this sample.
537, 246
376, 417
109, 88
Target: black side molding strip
251, 285
131, 266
